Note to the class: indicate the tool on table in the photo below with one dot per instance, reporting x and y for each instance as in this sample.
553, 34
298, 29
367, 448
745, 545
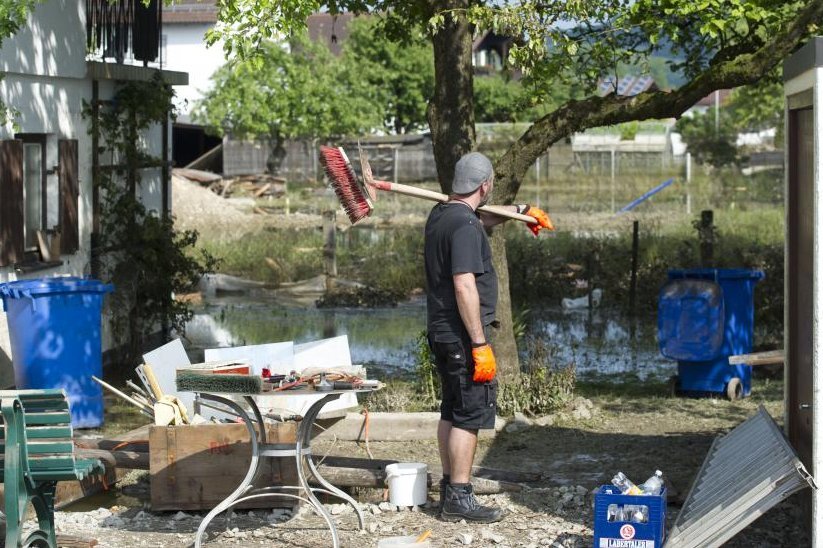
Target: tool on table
141, 375
167, 409
137, 389
324, 385
356, 197
189, 381
143, 407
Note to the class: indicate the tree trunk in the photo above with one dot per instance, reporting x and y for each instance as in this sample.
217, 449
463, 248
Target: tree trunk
505, 345
277, 154
503, 341
451, 110
451, 120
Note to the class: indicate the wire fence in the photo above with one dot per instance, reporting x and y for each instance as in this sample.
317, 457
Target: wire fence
565, 178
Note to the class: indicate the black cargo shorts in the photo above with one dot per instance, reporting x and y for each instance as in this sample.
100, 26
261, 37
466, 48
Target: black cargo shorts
466, 404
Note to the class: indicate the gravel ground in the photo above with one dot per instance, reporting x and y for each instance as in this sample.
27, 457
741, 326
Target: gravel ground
574, 451
556, 516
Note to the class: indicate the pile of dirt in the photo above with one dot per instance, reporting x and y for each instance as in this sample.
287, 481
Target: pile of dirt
195, 207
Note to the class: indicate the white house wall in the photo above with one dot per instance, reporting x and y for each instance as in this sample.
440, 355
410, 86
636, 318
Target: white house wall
186, 51
52, 43
46, 82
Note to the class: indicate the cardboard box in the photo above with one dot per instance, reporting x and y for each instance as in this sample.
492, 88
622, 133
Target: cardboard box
194, 467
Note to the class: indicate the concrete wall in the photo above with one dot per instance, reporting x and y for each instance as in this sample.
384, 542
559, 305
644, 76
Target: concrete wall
186, 51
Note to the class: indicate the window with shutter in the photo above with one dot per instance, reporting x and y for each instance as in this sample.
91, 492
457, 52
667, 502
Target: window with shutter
69, 195
35, 189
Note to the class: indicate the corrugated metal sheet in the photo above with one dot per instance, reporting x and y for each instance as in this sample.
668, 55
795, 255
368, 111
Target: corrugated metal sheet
747, 471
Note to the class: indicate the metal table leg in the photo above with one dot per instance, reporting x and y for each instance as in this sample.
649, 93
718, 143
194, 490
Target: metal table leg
304, 439
247, 481
301, 451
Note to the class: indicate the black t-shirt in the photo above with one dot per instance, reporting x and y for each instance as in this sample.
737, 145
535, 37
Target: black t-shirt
456, 243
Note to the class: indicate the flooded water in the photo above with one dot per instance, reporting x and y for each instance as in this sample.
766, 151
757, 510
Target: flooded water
386, 339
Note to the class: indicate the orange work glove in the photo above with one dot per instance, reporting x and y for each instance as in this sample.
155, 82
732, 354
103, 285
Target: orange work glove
485, 366
543, 220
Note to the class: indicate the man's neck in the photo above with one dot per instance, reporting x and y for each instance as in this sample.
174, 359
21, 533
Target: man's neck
472, 202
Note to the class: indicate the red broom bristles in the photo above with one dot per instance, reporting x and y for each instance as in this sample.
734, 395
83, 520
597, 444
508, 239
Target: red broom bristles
344, 182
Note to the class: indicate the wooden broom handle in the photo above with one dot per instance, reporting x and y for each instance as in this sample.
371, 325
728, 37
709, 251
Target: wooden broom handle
155, 386
438, 197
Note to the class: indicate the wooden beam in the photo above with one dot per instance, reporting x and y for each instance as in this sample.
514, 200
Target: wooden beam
512, 476
130, 460
770, 357
71, 541
376, 478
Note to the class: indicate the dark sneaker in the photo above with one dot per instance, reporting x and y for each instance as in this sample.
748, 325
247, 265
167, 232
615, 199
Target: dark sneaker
443, 483
459, 503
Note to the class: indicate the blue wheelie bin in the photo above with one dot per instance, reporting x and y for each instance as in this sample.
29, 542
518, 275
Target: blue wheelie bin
54, 326
704, 316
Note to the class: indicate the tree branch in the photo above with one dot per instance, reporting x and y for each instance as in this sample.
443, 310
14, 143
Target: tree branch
578, 115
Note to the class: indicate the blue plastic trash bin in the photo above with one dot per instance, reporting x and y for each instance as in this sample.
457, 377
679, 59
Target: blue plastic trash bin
54, 327
704, 316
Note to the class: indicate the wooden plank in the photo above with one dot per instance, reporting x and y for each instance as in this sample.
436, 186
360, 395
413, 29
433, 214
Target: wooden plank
130, 460
770, 357
136, 440
513, 476
69, 195
12, 246
47, 432
205, 158
375, 478
47, 418
71, 541
194, 467
200, 176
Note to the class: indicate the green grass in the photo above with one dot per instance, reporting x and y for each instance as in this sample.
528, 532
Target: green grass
292, 255
120, 417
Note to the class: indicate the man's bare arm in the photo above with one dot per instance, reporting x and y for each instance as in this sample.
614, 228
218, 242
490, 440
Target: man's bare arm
490, 219
468, 304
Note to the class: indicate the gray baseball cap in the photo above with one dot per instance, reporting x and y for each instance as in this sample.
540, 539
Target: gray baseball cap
472, 170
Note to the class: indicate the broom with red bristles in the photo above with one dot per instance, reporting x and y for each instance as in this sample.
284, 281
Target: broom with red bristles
356, 197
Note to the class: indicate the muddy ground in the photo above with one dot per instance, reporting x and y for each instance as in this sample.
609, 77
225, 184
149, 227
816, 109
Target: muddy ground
635, 429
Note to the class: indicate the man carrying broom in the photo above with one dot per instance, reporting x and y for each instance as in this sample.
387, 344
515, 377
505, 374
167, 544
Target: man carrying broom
461, 300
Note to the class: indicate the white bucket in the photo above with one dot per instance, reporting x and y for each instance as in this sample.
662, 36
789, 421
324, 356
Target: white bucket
407, 483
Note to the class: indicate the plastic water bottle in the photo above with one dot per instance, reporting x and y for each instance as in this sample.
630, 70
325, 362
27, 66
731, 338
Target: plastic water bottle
625, 485
640, 514
653, 485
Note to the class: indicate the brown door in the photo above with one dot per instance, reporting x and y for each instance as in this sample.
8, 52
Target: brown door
799, 279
